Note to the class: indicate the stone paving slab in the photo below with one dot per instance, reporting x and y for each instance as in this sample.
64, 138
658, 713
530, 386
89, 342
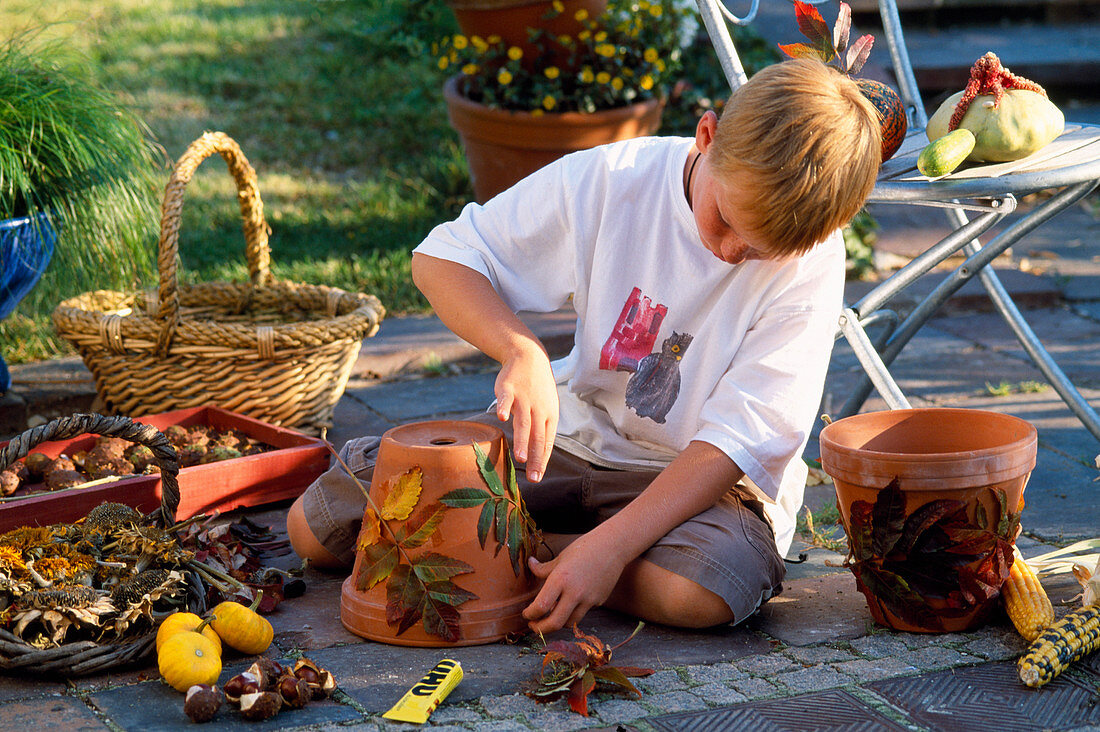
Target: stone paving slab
55, 712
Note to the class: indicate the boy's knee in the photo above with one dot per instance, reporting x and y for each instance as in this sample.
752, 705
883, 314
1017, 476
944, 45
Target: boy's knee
304, 542
655, 594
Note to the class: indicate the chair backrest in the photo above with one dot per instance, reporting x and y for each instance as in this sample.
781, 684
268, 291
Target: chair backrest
716, 16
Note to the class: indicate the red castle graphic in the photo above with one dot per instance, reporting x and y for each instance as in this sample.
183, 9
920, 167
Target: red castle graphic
634, 334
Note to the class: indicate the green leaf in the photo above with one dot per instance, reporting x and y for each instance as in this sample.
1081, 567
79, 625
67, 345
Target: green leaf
501, 522
515, 541
404, 599
800, 50
448, 592
615, 676
485, 522
887, 519
434, 567
981, 516
488, 474
425, 530
513, 486
464, 497
378, 562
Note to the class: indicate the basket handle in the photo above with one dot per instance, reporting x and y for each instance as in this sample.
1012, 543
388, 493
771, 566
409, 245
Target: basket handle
252, 212
75, 425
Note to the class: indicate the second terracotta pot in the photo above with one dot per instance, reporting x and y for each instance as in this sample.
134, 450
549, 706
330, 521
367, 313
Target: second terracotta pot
441, 557
961, 475
502, 147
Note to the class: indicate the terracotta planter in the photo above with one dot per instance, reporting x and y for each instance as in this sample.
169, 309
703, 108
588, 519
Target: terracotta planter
502, 147
443, 453
975, 463
510, 19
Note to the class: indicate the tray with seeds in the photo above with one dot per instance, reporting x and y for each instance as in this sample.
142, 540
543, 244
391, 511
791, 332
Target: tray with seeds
226, 460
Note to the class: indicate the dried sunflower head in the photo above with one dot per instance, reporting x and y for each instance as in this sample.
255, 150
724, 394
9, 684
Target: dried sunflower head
136, 597
108, 516
58, 610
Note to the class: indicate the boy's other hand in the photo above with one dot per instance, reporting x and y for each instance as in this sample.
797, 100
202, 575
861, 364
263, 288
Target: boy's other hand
527, 395
575, 581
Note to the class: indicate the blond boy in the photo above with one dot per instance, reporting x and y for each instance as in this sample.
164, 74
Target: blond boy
663, 454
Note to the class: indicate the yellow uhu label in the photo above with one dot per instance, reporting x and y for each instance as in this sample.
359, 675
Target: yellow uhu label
421, 700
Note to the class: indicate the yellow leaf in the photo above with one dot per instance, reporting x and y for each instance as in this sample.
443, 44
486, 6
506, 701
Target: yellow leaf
371, 531
403, 496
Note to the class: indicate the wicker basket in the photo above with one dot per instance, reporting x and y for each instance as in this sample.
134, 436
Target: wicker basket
85, 657
277, 351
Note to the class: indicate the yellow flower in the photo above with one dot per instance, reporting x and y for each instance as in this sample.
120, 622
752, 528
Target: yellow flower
643, 5
537, 113
548, 102
606, 50
552, 72
460, 42
646, 82
565, 40
504, 77
581, 14
587, 77
650, 55
479, 44
603, 77
558, 6
601, 36
584, 35
655, 11
617, 84
494, 39
469, 69
660, 66
444, 62
515, 53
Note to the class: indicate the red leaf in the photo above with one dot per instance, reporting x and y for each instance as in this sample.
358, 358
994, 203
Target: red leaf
440, 619
404, 599
615, 676
426, 522
578, 693
434, 567
448, 592
800, 50
841, 28
567, 650
635, 671
923, 519
859, 538
858, 53
812, 25
887, 519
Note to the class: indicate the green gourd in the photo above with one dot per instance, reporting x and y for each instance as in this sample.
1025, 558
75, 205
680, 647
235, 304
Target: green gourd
944, 154
1022, 123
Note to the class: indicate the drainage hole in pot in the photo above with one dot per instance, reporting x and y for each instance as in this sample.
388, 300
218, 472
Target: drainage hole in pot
443, 441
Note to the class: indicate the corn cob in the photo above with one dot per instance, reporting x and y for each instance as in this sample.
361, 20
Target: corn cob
1026, 601
1073, 637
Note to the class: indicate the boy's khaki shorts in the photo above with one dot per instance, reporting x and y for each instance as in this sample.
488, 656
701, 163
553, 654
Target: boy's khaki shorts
729, 549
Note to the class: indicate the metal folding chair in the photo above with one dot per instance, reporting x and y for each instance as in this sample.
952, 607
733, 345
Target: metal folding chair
1070, 165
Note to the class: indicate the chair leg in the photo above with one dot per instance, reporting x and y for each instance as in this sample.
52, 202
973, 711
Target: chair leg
871, 362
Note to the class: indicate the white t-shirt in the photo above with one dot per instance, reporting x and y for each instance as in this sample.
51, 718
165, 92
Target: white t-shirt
672, 343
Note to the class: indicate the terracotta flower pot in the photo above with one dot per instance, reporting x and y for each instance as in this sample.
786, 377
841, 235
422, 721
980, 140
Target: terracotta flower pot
931, 496
435, 574
510, 19
502, 147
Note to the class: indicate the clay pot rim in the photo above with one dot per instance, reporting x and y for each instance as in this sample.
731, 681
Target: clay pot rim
479, 432
826, 440
546, 119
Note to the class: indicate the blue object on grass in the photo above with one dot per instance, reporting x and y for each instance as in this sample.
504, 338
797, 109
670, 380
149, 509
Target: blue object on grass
26, 245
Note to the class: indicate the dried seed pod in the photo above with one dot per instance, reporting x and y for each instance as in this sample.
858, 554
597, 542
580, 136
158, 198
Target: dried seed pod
261, 705
240, 686
108, 515
37, 464
176, 435
61, 462
267, 671
9, 482
218, 453
140, 457
105, 468
58, 479
295, 692
321, 682
202, 702
191, 454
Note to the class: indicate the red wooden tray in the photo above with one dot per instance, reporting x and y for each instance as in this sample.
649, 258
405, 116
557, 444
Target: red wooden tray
250, 480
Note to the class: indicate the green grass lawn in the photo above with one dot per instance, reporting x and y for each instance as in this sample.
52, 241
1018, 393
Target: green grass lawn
336, 103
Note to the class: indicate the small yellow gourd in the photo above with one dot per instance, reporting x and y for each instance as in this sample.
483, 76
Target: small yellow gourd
188, 658
242, 627
180, 622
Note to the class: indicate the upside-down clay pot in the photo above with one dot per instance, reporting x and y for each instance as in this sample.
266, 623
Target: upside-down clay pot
443, 452
961, 454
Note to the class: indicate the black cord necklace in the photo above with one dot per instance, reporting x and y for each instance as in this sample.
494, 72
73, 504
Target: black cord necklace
691, 172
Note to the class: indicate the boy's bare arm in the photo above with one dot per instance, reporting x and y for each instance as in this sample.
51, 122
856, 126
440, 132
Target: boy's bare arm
586, 572
467, 304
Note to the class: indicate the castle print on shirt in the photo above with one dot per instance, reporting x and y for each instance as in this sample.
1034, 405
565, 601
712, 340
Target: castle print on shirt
655, 382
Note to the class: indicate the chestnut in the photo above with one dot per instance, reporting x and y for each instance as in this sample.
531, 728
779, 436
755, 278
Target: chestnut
260, 705
295, 692
241, 684
202, 702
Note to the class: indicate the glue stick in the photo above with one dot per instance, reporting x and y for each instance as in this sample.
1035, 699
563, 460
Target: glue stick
421, 700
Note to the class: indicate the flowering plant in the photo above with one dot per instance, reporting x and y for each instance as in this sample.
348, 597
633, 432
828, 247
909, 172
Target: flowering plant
623, 56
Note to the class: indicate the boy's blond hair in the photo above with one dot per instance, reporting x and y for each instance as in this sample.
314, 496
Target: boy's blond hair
809, 144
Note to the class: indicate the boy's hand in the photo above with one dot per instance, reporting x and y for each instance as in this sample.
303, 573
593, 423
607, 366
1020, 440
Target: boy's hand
526, 393
578, 579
